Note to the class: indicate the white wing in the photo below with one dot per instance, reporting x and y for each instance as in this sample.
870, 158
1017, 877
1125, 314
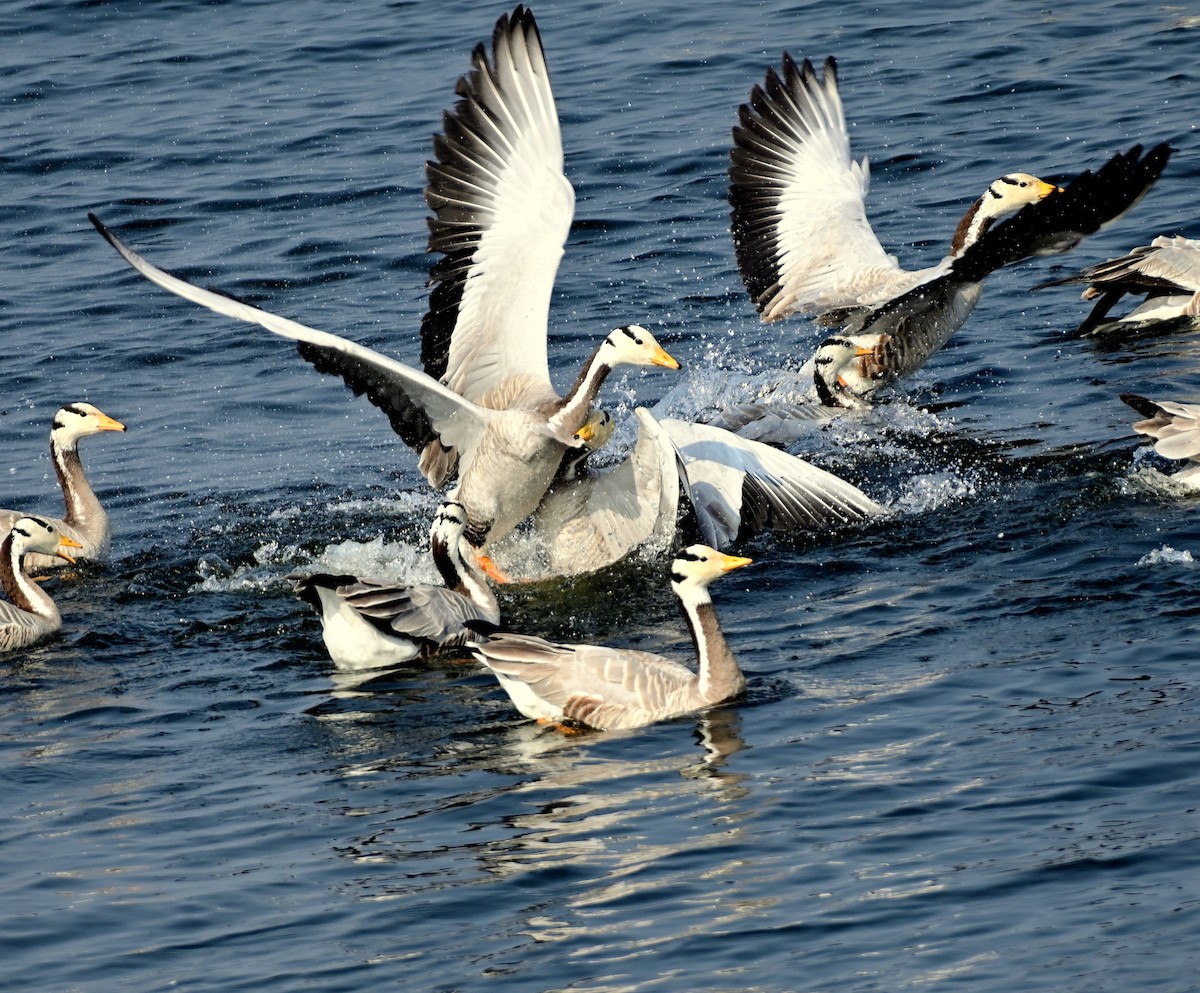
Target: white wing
737, 486
502, 212
420, 408
596, 520
799, 221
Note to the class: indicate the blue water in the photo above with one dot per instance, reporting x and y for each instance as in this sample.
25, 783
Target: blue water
968, 755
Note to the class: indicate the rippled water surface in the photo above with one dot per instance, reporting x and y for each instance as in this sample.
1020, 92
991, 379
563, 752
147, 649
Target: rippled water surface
968, 754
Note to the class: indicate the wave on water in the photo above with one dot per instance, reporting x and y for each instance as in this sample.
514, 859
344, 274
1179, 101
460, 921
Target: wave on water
1167, 556
378, 558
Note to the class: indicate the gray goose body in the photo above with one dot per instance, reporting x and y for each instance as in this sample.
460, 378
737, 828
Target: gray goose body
367, 624
85, 520
28, 615
611, 688
804, 244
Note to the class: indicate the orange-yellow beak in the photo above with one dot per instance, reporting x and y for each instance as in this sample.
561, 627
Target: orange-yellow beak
65, 542
730, 562
1045, 189
664, 359
106, 423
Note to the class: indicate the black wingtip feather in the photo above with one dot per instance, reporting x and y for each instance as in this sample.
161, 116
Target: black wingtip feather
1147, 408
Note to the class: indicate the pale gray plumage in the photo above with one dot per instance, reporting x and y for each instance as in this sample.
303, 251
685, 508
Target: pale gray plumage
29, 615
1175, 428
85, 520
612, 688
1166, 273
367, 624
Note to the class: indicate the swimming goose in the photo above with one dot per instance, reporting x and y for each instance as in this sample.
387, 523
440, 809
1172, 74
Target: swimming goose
734, 488
1167, 271
611, 688
85, 521
367, 624
804, 244
484, 408
29, 615
1175, 428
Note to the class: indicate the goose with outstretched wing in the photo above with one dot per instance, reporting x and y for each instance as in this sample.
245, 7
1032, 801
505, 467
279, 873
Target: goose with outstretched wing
804, 244
484, 410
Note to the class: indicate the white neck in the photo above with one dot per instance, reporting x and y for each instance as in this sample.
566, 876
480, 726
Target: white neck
24, 593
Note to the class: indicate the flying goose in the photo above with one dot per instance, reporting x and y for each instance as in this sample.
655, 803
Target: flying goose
734, 488
611, 688
1167, 271
367, 624
484, 409
1175, 428
29, 615
85, 521
804, 244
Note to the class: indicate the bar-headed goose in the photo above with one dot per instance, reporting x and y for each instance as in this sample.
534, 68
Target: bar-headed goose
804, 244
29, 615
367, 624
732, 487
1166, 272
484, 409
1175, 428
85, 520
611, 688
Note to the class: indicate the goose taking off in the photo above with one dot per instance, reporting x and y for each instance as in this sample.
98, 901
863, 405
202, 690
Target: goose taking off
1175, 428
611, 688
367, 624
804, 244
29, 615
734, 488
85, 521
484, 409
1167, 272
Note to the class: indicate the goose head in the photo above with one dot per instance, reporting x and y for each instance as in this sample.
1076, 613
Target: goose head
1010, 193
78, 420
698, 565
596, 431
1005, 196
32, 534
831, 359
594, 435
634, 345
449, 525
